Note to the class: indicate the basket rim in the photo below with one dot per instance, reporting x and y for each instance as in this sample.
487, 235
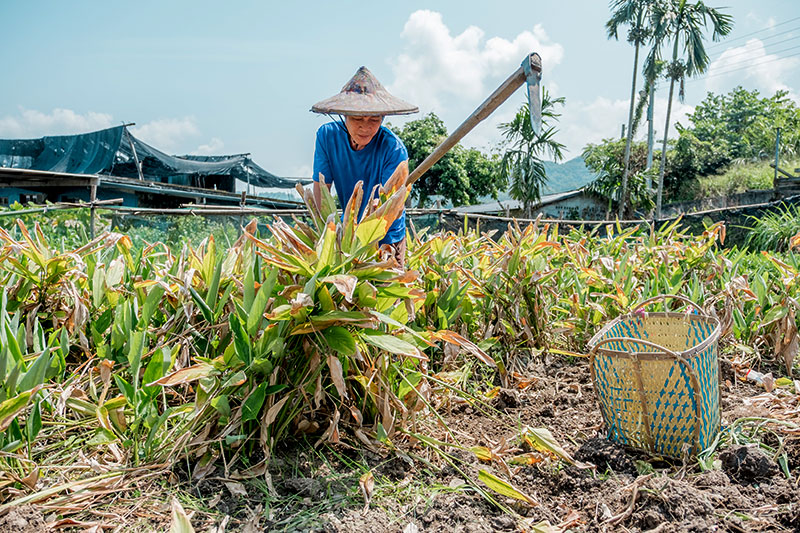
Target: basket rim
713, 337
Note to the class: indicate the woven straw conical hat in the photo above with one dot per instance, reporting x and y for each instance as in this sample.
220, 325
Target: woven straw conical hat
364, 95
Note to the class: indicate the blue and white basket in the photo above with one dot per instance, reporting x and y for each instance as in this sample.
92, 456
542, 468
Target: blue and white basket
656, 377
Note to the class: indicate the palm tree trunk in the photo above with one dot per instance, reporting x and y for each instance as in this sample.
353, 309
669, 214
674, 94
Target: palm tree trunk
624, 196
664, 150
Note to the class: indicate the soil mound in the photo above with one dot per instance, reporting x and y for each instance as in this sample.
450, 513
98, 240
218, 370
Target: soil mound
24, 519
747, 464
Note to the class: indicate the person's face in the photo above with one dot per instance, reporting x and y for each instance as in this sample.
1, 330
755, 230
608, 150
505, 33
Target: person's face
363, 129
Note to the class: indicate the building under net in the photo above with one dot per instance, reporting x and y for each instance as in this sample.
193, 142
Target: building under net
64, 168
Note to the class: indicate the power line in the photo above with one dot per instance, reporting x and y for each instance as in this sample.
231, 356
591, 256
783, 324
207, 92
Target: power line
746, 61
752, 33
746, 51
751, 65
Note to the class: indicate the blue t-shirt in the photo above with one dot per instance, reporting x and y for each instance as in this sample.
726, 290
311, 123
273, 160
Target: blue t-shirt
374, 165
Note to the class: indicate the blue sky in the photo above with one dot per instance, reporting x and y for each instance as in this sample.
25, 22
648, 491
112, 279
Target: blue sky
204, 77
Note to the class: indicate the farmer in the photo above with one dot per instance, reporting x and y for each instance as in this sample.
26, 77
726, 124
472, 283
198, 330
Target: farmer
357, 147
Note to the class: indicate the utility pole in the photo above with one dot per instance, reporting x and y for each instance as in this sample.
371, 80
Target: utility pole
650, 135
622, 135
777, 153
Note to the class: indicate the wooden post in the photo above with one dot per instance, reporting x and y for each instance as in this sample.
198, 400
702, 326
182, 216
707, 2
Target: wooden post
242, 205
92, 209
135, 156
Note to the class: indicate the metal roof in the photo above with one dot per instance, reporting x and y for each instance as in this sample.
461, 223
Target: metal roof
512, 205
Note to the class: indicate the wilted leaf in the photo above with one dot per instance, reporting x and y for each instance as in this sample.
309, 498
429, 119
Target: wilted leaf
503, 487
526, 459
344, 283
367, 484
180, 521
541, 439
482, 453
186, 375
337, 376
272, 413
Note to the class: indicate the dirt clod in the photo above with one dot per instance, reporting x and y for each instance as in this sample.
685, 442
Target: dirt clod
606, 455
747, 464
24, 519
304, 486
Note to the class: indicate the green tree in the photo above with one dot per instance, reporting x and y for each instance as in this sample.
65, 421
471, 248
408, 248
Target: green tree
607, 161
681, 24
462, 176
636, 15
521, 165
744, 123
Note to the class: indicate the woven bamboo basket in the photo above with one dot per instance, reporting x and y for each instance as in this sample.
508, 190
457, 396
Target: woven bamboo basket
656, 377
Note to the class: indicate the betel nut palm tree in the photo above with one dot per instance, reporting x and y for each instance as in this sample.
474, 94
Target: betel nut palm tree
521, 165
682, 24
636, 15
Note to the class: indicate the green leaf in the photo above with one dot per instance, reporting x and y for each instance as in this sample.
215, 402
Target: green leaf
340, 340
390, 343
204, 309
158, 366
252, 405
135, 350
775, 313
371, 230
150, 305
503, 487
126, 389
36, 373
241, 341
221, 404
102, 437
213, 287
13, 346
10, 408
249, 282
409, 384
34, 423
260, 302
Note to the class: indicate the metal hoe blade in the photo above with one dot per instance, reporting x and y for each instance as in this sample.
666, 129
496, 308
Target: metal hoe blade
532, 65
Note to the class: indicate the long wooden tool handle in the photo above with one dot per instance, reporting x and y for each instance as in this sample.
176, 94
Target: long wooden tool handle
499, 96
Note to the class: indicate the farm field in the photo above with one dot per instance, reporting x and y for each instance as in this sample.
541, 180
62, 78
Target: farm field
300, 380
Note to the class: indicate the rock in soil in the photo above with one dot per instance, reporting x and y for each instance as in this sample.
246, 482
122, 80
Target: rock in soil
24, 519
304, 486
747, 464
606, 455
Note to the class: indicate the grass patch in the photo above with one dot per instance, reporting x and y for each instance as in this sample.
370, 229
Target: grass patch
739, 178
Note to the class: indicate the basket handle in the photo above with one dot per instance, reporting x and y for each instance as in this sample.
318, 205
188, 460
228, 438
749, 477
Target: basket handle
662, 297
637, 341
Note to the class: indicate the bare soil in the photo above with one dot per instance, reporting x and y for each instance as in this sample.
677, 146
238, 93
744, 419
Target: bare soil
628, 490
416, 490
23, 519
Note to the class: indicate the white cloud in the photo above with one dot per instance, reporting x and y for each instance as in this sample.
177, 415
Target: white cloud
751, 65
214, 146
167, 134
452, 74
30, 123
590, 122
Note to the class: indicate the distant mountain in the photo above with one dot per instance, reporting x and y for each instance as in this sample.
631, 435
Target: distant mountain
567, 176
561, 177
